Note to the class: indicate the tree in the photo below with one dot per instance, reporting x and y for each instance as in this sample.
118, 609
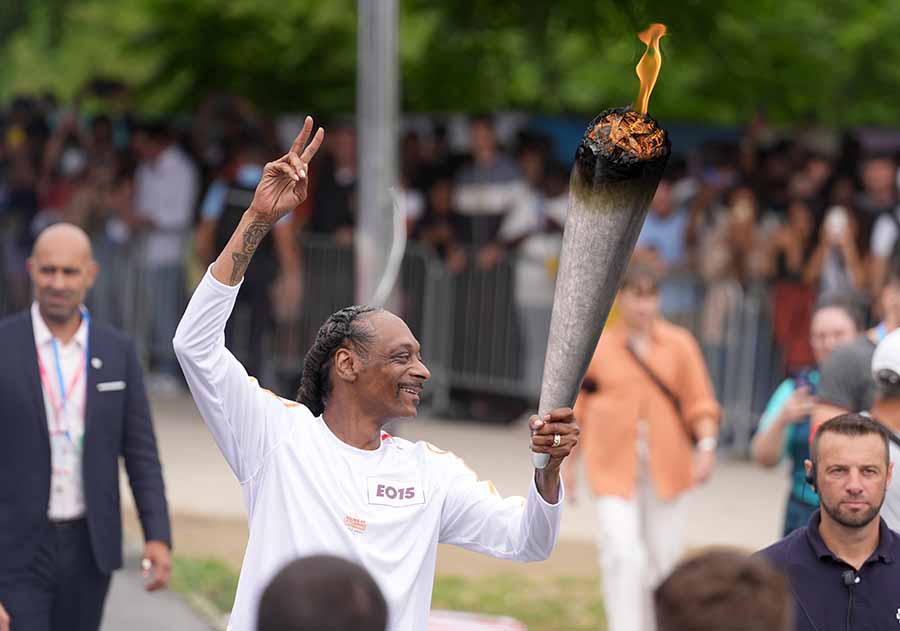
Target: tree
720, 60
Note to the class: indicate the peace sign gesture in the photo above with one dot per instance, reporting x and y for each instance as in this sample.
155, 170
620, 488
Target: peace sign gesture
285, 181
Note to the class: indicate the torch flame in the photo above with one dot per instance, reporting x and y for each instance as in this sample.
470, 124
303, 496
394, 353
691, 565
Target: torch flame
649, 65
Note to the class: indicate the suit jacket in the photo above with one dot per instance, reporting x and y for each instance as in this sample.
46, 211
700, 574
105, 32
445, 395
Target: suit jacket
117, 423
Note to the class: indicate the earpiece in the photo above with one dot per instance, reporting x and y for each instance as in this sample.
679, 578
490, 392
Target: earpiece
811, 477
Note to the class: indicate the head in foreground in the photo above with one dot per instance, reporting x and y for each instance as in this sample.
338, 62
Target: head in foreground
850, 469
322, 593
724, 589
365, 360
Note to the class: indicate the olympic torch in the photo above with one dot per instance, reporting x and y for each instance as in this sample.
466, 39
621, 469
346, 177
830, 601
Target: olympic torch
618, 165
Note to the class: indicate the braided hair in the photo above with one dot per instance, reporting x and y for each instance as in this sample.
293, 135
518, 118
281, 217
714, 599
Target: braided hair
340, 329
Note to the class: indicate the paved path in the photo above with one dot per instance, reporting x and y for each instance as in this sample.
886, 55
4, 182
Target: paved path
130, 608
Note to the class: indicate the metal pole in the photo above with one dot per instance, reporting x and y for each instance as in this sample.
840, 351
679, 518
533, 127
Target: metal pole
376, 123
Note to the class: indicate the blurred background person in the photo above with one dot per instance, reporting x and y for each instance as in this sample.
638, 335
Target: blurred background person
649, 423
487, 189
736, 263
663, 245
166, 190
836, 265
532, 232
322, 593
792, 297
886, 410
846, 383
877, 202
441, 227
724, 590
784, 429
333, 190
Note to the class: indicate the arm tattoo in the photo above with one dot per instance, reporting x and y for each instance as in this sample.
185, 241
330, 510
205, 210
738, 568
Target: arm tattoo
240, 261
253, 234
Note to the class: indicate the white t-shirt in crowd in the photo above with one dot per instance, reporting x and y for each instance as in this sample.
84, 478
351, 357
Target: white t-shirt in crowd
890, 510
166, 192
307, 492
884, 235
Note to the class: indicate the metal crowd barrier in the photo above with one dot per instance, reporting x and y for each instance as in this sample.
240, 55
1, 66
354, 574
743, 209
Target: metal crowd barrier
474, 335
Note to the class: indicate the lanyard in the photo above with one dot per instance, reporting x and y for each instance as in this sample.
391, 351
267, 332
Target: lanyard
59, 406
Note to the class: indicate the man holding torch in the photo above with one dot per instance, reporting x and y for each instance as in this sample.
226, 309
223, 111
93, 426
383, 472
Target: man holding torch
319, 475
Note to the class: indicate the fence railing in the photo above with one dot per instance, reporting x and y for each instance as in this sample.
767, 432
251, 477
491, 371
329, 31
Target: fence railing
475, 335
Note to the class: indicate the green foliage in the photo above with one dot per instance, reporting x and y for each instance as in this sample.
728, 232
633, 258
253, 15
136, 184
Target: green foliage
552, 604
799, 58
285, 56
212, 580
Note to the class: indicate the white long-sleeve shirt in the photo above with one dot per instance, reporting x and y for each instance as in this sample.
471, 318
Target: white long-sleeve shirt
307, 492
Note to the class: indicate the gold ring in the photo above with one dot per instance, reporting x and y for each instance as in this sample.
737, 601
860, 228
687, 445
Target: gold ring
556, 440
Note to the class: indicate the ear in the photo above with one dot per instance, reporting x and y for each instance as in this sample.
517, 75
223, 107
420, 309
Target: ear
890, 473
808, 465
346, 365
92, 270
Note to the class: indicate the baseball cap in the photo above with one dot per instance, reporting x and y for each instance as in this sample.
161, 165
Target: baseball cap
886, 361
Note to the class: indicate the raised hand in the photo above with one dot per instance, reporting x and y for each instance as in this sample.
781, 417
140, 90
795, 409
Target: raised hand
285, 182
799, 406
281, 189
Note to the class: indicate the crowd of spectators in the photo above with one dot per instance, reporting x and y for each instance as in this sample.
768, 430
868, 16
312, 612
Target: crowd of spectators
789, 215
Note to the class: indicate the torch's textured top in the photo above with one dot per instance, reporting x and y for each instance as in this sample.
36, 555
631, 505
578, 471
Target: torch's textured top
626, 142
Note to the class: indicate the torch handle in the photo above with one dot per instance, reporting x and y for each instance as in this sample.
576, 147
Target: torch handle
539, 460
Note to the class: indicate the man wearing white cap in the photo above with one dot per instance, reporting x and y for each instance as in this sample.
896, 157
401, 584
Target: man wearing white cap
886, 373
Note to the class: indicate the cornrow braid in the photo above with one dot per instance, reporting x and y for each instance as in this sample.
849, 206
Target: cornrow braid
341, 328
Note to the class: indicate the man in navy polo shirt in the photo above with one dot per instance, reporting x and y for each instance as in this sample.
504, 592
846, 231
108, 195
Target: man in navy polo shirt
844, 566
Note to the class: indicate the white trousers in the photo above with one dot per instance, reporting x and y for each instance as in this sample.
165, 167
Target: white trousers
639, 542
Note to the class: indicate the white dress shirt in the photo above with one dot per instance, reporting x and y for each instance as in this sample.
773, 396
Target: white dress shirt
307, 492
64, 422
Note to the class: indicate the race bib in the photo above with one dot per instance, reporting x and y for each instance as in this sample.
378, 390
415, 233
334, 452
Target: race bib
395, 493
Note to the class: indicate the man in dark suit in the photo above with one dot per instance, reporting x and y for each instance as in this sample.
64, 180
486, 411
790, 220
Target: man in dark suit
72, 401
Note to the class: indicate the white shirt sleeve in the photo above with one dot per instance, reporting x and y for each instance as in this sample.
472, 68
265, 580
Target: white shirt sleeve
884, 235
476, 518
246, 420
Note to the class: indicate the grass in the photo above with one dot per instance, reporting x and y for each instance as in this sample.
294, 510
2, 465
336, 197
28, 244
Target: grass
553, 604
209, 579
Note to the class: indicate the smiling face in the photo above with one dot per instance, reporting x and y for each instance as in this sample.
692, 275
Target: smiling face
62, 270
392, 376
852, 476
